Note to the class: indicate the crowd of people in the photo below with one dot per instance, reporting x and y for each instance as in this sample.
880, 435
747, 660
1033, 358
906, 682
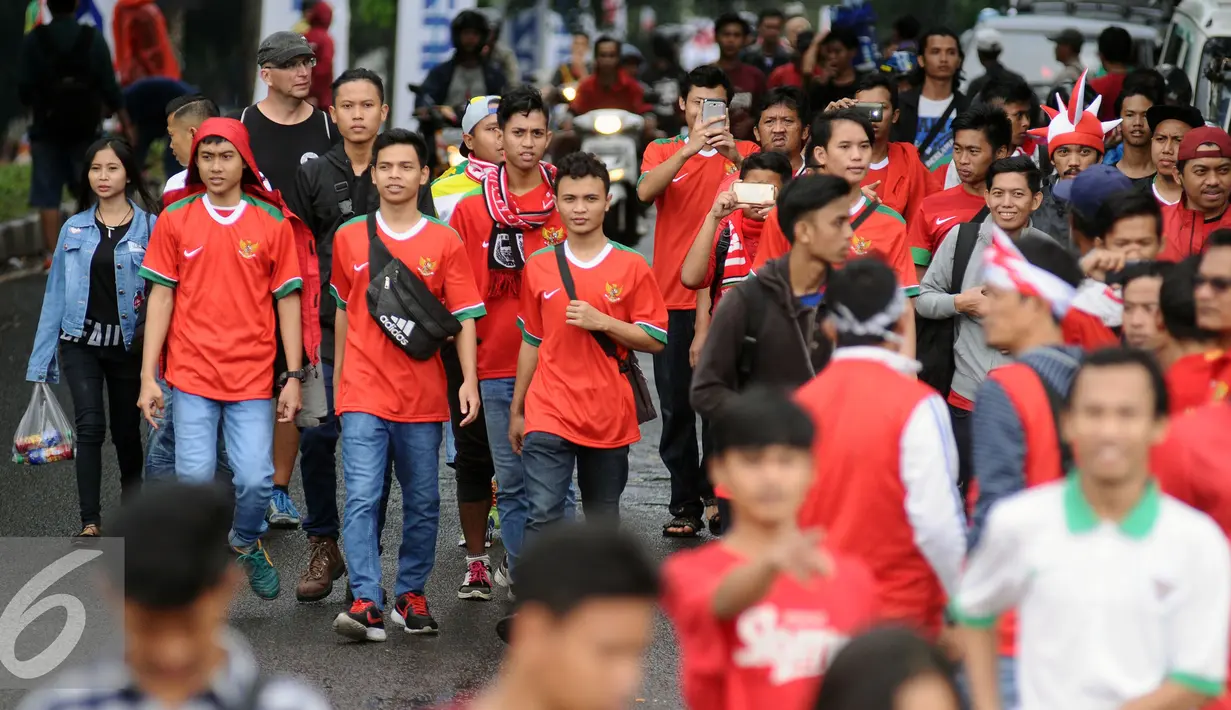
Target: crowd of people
992, 414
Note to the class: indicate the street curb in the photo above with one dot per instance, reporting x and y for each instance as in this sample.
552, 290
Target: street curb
20, 237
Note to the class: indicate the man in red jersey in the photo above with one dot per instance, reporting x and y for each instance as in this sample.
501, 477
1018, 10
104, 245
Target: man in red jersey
392, 405
681, 176
981, 136
1204, 167
227, 244
509, 217
587, 306
1189, 354
761, 613
901, 515
1213, 298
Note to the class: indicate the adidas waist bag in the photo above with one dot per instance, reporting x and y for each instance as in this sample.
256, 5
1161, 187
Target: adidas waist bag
403, 306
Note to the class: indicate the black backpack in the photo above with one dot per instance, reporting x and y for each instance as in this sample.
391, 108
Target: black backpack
934, 338
70, 104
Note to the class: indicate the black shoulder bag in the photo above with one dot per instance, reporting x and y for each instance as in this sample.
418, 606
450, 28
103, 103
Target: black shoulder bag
628, 364
937, 128
934, 338
403, 306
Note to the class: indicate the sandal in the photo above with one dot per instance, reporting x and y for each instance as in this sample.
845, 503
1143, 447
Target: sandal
683, 526
90, 530
714, 521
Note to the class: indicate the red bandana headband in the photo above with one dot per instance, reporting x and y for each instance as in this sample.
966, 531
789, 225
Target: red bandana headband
1004, 266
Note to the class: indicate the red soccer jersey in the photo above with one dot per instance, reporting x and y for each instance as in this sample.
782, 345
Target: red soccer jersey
226, 271
742, 248
881, 233
774, 654
578, 392
499, 336
937, 215
1198, 379
903, 180
377, 377
682, 208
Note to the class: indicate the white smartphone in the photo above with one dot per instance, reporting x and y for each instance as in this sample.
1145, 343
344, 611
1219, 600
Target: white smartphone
710, 109
754, 193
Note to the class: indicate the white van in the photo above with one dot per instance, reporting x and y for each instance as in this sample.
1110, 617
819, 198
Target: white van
1198, 42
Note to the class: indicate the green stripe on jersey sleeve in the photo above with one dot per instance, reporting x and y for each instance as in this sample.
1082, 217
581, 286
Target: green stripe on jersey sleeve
653, 331
151, 275
470, 312
288, 288
526, 335
337, 297
911, 291
1206, 686
970, 620
922, 257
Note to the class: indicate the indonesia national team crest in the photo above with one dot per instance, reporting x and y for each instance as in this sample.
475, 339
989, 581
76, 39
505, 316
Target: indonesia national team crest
427, 266
859, 245
553, 235
248, 249
614, 292
731, 169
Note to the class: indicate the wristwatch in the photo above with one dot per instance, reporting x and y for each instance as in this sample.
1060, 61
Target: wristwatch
301, 375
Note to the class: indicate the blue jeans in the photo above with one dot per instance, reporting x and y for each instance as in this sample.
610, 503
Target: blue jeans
248, 428
1009, 699
511, 499
549, 461
450, 445
368, 442
160, 456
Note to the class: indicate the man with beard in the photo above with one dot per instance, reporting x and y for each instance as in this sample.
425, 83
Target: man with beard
1204, 167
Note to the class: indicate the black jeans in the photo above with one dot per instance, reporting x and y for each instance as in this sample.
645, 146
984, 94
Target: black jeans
678, 444
87, 370
473, 464
962, 436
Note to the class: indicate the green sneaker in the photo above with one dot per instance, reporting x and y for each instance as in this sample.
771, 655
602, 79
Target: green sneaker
262, 576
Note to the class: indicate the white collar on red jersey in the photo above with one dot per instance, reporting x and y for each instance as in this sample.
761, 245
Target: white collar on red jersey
896, 361
1004, 266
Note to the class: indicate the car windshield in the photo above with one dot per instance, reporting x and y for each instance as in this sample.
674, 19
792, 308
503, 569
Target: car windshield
1213, 93
1032, 55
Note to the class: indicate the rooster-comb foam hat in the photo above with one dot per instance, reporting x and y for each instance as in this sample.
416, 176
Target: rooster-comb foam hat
1070, 125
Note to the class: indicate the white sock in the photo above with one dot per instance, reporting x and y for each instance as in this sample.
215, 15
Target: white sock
482, 558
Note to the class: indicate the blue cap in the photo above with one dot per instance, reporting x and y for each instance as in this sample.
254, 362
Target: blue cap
1087, 192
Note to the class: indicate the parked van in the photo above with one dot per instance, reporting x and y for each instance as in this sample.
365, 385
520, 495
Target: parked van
1198, 42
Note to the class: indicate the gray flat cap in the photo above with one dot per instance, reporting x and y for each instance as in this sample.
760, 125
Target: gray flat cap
281, 47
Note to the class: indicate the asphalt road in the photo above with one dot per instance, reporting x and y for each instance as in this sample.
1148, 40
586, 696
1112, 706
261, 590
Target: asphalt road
289, 637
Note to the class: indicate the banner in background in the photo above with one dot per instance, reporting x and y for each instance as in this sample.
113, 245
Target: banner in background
524, 31
277, 15
423, 42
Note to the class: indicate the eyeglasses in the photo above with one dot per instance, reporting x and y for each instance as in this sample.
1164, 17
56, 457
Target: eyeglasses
1220, 284
297, 63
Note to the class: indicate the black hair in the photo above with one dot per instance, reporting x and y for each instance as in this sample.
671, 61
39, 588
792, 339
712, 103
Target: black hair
604, 39
469, 20
400, 136
1123, 205
571, 564
1144, 270
663, 47
907, 27
769, 160
524, 100
136, 189
1115, 45
870, 670
707, 76
1143, 82
582, 165
730, 18
822, 127
1088, 225
941, 31
845, 35
1126, 357
992, 122
865, 287
791, 97
808, 194
61, 7
1218, 238
192, 106
1020, 164
879, 80
769, 14
175, 538
1049, 255
359, 74
1178, 306
1009, 90
758, 418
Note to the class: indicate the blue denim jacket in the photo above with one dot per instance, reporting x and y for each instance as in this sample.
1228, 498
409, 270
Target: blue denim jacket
68, 287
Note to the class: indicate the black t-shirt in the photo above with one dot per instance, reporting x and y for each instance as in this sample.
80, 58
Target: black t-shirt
280, 150
102, 312
821, 95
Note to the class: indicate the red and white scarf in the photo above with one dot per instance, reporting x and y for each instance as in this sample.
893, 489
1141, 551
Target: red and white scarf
478, 170
1004, 266
496, 191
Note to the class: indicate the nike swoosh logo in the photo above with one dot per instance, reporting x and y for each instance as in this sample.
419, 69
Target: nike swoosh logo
942, 221
677, 179
194, 252
359, 267
549, 294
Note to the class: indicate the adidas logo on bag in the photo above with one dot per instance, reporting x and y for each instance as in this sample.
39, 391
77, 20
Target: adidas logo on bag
399, 328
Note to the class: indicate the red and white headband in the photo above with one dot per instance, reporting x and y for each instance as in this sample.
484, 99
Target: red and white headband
1005, 267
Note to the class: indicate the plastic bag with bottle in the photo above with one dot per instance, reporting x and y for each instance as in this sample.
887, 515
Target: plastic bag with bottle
44, 434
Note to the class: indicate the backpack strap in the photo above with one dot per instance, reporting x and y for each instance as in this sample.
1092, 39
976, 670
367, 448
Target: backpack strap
720, 263
754, 315
967, 236
867, 212
937, 127
378, 254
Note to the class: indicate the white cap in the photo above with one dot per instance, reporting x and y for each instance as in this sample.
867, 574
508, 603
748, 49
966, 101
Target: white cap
988, 40
480, 108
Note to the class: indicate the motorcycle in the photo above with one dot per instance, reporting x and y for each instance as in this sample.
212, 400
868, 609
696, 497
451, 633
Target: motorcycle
612, 135
443, 135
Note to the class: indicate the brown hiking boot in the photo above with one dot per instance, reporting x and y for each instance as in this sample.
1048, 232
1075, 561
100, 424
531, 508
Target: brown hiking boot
324, 565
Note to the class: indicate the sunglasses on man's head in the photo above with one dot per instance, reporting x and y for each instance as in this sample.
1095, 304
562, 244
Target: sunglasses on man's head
1221, 284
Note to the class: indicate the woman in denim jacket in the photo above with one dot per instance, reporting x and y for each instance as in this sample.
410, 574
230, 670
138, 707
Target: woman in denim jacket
89, 318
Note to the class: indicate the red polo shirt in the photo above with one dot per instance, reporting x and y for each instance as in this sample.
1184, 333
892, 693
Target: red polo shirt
625, 94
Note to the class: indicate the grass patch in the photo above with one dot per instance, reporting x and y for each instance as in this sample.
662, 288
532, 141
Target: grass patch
14, 191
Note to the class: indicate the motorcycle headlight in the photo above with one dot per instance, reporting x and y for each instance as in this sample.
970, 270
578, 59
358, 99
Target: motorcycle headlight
608, 124
616, 175
569, 93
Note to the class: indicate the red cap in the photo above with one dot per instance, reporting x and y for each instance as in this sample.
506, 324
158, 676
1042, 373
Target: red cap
1205, 142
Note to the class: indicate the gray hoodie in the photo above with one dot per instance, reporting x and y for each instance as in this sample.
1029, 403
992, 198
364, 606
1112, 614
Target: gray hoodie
972, 358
